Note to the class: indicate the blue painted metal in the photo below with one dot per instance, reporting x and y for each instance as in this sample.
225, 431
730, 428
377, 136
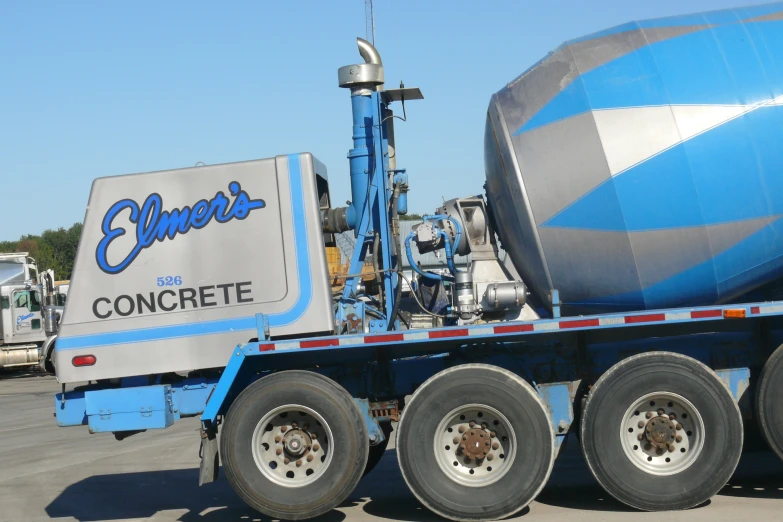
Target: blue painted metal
228, 380
373, 428
371, 191
401, 179
70, 409
559, 401
127, 409
737, 380
303, 267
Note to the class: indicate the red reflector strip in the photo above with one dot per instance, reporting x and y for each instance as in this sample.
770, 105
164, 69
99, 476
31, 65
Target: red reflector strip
461, 332
266, 347
755, 310
703, 314
579, 324
384, 338
649, 318
84, 360
514, 328
319, 343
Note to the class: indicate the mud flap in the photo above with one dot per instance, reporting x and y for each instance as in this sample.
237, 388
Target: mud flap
209, 459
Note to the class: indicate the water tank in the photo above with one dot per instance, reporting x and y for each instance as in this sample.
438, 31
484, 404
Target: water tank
642, 166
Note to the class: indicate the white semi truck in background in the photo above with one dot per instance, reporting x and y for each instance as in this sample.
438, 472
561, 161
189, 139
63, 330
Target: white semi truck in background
26, 296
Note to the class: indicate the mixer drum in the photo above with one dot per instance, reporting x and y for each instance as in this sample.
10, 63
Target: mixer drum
642, 166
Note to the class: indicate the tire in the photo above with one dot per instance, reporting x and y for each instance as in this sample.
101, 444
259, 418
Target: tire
377, 451
769, 406
507, 476
661, 472
261, 477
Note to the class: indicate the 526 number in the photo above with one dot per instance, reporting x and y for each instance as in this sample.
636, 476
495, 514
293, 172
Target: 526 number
170, 281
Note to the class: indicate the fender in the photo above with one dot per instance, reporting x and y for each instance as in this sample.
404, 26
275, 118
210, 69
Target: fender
47, 350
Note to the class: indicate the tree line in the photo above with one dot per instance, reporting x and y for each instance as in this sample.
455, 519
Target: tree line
53, 249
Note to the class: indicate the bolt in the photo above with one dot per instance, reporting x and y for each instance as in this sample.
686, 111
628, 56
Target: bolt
456, 440
492, 434
672, 416
671, 448
472, 432
671, 425
679, 426
641, 424
284, 429
640, 436
661, 412
461, 429
278, 439
313, 436
648, 415
287, 460
490, 456
467, 460
299, 463
484, 425
472, 424
309, 458
481, 435
495, 445
293, 425
316, 447
279, 451
678, 438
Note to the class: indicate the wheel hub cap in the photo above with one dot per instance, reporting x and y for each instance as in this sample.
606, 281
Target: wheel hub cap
296, 443
475, 444
661, 432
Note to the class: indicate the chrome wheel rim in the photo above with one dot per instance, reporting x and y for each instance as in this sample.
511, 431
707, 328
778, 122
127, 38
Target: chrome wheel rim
292, 445
475, 445
662, 433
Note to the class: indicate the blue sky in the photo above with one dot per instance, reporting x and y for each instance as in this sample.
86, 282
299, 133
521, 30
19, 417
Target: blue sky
90, 89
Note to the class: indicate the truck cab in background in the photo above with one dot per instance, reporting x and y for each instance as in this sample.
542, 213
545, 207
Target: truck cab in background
22, 297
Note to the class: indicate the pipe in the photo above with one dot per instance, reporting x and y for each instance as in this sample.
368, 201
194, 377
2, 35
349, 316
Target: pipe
369, 53
415, 267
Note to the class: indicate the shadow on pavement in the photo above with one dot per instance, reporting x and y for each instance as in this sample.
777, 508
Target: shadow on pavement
383, 493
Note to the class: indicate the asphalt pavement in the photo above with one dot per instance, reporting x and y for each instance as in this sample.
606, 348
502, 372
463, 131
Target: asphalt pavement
48, 472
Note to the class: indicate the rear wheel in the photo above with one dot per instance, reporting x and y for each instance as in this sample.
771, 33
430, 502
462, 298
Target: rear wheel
660, 431
475, 443
290, 430
769, 401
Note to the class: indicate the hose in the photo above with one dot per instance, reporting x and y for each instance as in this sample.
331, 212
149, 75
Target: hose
415, 267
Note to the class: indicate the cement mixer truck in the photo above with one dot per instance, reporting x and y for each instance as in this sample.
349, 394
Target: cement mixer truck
633, 177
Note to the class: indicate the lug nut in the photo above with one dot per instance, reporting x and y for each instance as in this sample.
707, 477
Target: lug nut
287, 460
679, 426
293, 425
678, 438
481, 434
661, 412
472, 424
313, 436
456, 440
671, 448
495, 445
299, 463
659, 451
462, 445
472, 432
490, 456
461, 429
278, 439
316, 447
641, 424
279, 451
284, 429
309, 458
486, 443
647, 447
640, 436
672, 416
492, 434
484, 425
671, 425
464, 437
648, 415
